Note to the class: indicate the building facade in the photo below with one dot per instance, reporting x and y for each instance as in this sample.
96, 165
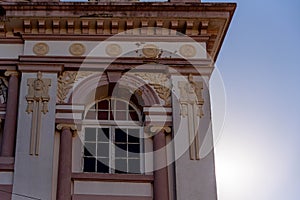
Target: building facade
108, 100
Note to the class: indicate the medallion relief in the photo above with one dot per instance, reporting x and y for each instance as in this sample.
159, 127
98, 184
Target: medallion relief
40, 49
113, 50
188, 51
150, 51
77, 49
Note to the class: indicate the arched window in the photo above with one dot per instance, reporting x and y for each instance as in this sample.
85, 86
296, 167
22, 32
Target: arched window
112, 138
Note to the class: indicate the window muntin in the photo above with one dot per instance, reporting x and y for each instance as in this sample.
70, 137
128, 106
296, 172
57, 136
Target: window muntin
109, 148
112, 109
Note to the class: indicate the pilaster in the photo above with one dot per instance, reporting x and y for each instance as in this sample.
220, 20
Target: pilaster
9, 132
35, 135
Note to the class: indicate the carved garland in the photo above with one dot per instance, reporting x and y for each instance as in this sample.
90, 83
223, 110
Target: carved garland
160, 83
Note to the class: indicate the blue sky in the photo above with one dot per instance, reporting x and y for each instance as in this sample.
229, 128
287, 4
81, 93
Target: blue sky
257, 156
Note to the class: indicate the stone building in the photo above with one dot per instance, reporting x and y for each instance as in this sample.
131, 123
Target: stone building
108, 100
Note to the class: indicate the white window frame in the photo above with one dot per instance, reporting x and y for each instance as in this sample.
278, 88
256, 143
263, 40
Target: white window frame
112, 125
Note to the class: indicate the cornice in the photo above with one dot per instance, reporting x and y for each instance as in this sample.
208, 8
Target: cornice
206, 22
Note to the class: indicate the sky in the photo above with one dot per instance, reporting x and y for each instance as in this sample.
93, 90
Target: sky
258, 151
257, 154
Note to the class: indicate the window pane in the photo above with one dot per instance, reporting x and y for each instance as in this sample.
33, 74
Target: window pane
91, 115
130, 108
103, 105
103, 150
121, 105
133, 116
103, 134
133, 135
103, 165
90, 134
134, 148
89, 165
102, 115
90, 149
120, 135
134, 166
121, 150
112, 117
121, 165
120, 115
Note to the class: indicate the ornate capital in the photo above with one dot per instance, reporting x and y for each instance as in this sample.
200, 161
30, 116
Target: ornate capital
11, 73
153, 130
72, 127
191, 94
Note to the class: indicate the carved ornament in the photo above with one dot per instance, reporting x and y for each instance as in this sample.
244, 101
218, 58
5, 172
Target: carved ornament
150, 51
188, 51
153, 130
160, 83
113, 50
37, 103
77, 49
66, 82
191, 103
40, 49
3, 89
72, 127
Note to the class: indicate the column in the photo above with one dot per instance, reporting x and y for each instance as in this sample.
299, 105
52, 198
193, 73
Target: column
65, 162
161, 184
9, 132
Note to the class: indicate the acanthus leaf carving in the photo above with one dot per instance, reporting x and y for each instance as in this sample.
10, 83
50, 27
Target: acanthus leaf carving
160, 82
66, 81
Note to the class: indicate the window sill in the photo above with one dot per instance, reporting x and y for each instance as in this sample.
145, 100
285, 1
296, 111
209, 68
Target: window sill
134, 178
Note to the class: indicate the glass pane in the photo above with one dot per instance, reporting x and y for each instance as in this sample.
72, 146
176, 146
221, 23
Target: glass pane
112, 117
121, 166
90, 149
130, 108
134, 148
134, 166
103, 105
133, 135
103, 150
102, 115
133, 116
103, 134
91, 115
121, 105
121, 150
120, 135
120, 115
93, 107
89, 165
103, 165
90, 134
